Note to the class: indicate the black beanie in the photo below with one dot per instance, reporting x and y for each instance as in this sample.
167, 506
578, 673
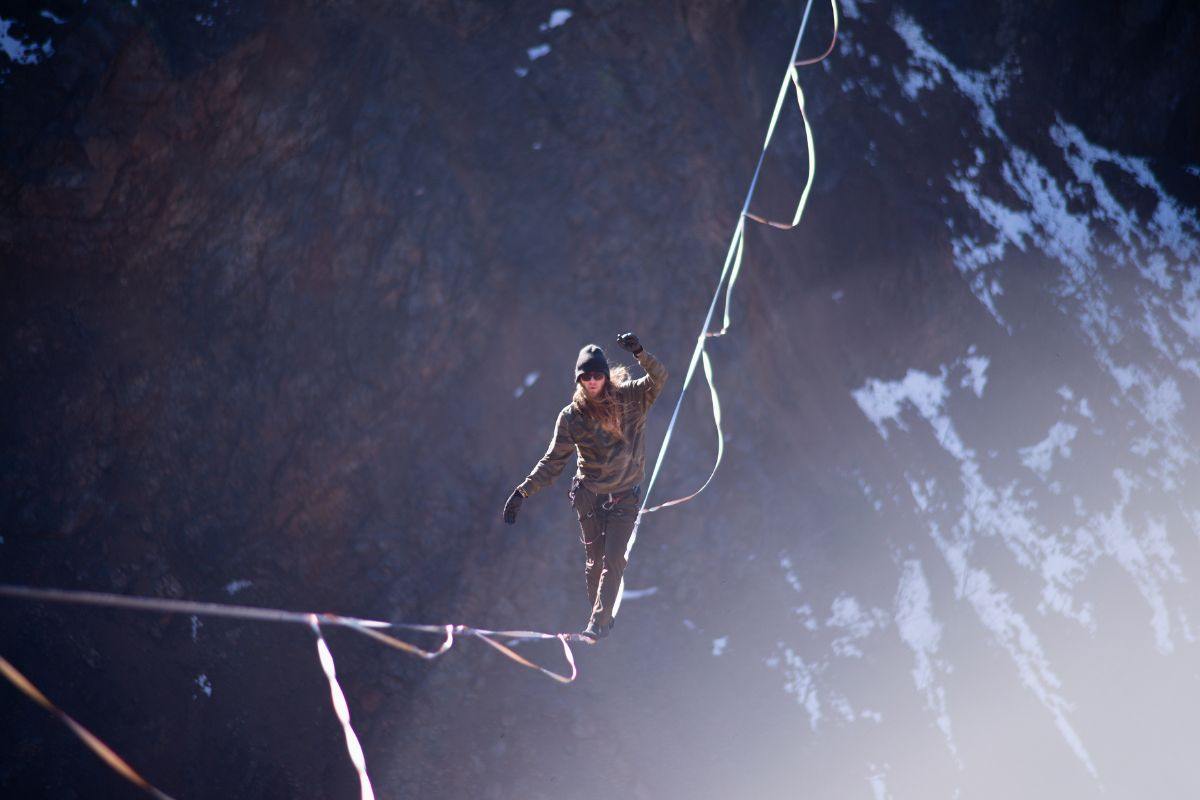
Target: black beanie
591, 359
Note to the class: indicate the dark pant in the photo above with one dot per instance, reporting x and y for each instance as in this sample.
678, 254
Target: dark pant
605, 524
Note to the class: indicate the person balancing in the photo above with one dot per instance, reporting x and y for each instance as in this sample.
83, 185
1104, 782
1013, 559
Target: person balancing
604, 425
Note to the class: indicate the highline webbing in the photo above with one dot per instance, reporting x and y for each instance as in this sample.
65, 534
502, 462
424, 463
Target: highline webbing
106, 754
342, 710
368, 627
730, 272
374, 628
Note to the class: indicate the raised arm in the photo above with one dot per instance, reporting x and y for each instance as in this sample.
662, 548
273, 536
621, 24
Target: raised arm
650, 386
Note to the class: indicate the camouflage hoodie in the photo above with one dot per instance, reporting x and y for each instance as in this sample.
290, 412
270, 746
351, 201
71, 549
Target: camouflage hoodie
605, 464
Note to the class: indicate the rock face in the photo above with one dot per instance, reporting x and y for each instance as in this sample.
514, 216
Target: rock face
291, 296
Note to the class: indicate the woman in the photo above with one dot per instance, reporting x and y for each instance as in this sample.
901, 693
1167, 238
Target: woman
604, 425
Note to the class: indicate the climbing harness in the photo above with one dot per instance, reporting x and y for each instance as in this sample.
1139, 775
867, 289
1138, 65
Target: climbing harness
612, 500
606, 506
375, 628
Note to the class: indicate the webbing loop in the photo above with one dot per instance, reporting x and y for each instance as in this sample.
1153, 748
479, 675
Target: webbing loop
731, 270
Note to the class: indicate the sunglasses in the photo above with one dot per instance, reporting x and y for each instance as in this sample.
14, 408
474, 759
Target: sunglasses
591, 376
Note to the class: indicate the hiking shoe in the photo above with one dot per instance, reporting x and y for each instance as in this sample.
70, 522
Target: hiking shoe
593, 631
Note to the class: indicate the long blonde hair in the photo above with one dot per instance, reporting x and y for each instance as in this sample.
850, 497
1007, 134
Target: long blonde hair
607, 407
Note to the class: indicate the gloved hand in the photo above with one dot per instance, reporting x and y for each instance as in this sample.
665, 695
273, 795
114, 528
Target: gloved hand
513, 506
630, 343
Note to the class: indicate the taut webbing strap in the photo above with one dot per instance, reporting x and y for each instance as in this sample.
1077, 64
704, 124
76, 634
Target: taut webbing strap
106, 754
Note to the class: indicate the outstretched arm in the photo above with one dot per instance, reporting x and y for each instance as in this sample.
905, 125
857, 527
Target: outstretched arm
562, 446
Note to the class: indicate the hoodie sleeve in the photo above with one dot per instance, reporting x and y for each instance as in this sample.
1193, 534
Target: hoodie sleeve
649, 386
562, 446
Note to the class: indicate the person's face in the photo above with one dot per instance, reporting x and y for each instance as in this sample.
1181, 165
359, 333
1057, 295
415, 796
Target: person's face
592, 382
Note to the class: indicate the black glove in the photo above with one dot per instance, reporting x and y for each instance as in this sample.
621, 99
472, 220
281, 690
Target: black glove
630, 343
512, 507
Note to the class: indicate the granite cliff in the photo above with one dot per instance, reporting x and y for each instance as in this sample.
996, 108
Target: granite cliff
291, 294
